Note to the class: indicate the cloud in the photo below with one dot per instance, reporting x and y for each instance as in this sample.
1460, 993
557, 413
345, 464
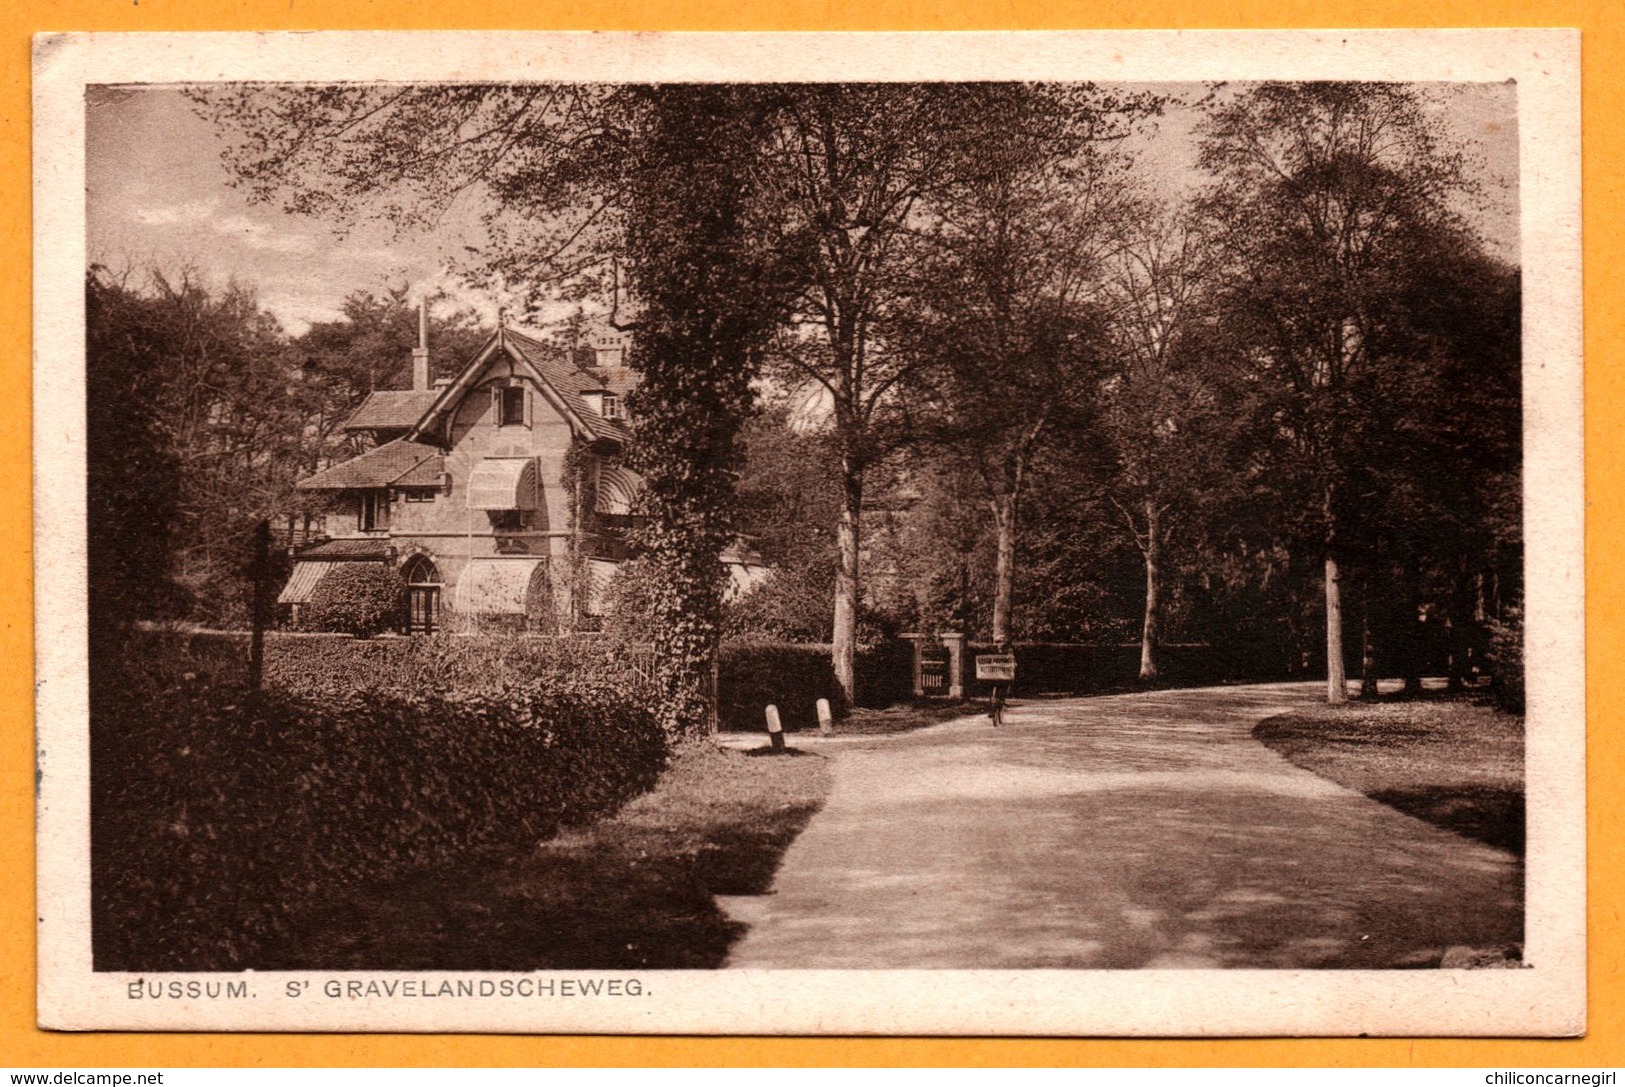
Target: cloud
197, 211
206, 213
298, 312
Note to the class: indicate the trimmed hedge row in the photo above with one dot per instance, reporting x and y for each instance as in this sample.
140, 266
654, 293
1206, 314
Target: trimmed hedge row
794, 676
221, 820
316, 663
752, 675
1081, 668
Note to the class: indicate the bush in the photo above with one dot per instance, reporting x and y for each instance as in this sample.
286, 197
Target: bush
359, 598
790, 676
1506, 660
222, 822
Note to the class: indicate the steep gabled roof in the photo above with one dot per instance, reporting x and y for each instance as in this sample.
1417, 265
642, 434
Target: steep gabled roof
399, 463
392, 409
562, 383
569, 381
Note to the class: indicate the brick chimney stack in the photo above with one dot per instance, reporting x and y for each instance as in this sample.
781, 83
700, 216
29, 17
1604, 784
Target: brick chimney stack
420, 353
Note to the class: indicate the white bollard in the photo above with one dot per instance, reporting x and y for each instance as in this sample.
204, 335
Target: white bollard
775, 731
826, 723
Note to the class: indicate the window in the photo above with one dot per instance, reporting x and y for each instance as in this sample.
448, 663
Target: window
374, 511
612, 407
419, 494
509, 520
513, 405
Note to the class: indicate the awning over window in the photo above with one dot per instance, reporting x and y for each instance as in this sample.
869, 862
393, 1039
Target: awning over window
600, 573
306, 575
503, 483
617, 489
503, 587
743, 577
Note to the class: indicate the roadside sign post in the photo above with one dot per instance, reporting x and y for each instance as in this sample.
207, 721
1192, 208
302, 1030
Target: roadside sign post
998, 670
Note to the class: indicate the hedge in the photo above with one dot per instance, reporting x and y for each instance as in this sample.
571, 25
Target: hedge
1077, 668
752, 675
794, 676
222, 821
315, 663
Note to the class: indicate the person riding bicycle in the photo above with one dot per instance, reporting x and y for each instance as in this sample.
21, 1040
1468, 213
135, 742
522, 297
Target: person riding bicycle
998, 691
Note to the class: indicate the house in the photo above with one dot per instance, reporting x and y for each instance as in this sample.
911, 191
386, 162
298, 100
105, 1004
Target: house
498, 494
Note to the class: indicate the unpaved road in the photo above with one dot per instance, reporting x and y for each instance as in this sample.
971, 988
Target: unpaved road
1146, 830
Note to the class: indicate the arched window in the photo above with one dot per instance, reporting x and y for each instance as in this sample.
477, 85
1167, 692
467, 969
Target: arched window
420, 570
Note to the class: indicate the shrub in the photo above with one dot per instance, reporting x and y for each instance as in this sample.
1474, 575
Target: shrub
792, 677
222, 821
1506, 660
359, 598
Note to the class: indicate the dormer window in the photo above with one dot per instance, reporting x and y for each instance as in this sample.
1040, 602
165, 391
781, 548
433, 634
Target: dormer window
612, 407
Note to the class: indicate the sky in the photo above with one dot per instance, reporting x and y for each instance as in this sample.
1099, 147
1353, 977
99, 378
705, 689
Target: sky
158, 195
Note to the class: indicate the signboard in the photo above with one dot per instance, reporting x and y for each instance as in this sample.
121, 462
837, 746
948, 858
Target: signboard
996, 667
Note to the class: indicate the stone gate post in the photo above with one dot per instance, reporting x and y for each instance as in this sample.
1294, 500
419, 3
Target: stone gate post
916, 644
955, 644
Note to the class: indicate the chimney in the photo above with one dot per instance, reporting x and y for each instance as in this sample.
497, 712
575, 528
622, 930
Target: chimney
610, 347
420, 353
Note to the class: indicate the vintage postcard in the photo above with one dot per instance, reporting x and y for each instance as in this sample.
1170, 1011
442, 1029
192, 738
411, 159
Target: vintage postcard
917, 534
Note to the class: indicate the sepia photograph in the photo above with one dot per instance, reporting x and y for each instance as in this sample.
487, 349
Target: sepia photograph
763, 534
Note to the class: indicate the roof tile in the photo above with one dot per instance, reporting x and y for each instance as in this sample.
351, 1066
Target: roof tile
399, 463
392, 409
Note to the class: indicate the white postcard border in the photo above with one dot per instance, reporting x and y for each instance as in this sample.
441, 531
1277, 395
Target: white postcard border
1547, 998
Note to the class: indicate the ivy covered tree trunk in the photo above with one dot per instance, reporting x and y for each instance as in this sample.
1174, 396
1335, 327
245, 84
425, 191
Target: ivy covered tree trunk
705, 289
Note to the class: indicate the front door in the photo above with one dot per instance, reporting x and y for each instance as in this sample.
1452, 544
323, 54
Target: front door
422, 607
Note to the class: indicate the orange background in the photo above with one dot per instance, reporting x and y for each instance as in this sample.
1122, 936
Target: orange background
1603, 60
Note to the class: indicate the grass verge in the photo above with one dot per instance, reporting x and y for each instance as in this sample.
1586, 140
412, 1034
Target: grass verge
631, 891
1455, 762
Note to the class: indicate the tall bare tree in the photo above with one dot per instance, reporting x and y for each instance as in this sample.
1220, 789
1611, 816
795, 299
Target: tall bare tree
1164, 407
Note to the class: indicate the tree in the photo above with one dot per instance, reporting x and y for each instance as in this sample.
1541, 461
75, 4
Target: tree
1168, 412
867, 172
710, 292
132, 472
207, 379
1001, 312
852, 165
1318, 190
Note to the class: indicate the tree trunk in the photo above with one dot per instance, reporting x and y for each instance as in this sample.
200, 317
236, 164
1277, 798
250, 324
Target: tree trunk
847, 539
1004, 575
1414, 643
1368, 647
1151, 631
1337, 688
